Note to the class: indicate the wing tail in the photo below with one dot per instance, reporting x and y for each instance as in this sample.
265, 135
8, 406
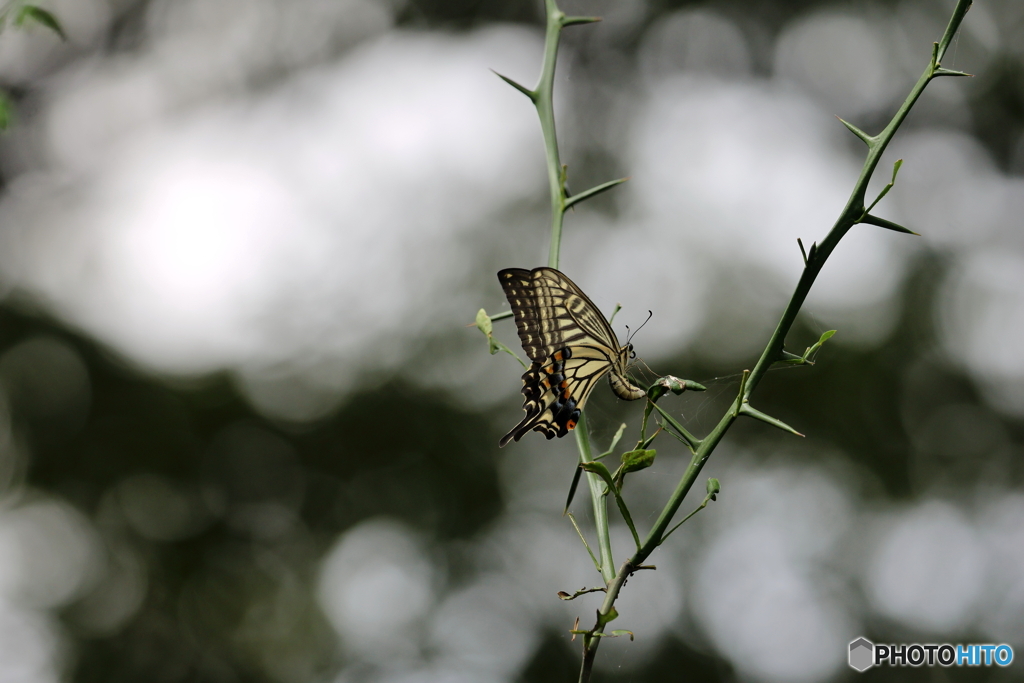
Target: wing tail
550, 413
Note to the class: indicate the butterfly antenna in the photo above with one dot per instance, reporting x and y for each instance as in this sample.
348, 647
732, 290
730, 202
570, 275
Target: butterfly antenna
630, 336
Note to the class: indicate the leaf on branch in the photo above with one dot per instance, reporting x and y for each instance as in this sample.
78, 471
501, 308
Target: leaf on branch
811, 350
572, 488
602, 471
585, 544
614, 443
668, 383
713, 489
619, 632
32, 13
634, 461
485, 325
889, 186
612, 615
562, 595
483, 322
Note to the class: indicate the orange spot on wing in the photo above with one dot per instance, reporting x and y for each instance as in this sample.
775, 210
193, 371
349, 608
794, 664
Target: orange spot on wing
570, 425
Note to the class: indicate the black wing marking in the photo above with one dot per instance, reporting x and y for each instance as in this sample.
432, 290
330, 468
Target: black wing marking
551, 313
556, 391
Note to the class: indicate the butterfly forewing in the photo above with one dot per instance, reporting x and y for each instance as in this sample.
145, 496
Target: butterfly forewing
571, 346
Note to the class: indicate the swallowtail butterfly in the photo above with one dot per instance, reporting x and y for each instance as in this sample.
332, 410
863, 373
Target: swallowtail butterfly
571, 345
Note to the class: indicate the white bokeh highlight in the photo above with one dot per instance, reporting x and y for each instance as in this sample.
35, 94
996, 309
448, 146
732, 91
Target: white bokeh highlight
928, 570
375, 586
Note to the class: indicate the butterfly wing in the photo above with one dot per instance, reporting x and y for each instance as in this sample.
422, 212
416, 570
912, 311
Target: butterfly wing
571, 346
552, 312
555, 391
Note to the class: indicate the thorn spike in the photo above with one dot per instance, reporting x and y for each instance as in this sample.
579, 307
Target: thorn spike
864, 137
750, 411
521, 88
888, 225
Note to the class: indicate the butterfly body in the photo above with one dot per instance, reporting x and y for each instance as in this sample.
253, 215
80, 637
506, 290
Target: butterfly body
571, 345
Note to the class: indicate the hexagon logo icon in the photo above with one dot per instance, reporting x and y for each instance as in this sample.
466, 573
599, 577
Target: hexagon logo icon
862, 654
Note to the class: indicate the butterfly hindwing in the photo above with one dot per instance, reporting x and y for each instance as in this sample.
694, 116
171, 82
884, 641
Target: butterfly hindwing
571, 345
556, 391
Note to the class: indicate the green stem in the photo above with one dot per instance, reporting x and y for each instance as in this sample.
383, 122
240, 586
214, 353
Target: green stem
816, 258
599, 499
544, 101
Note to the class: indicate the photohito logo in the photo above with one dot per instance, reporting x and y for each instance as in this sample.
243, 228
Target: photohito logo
864, 654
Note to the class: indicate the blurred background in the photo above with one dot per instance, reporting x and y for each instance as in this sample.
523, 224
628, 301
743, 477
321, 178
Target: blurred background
245, 434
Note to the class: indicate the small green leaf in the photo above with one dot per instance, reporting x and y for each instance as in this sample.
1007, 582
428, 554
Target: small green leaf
483, 322
586, 545
602, 471
634, 461
713, 488
562, 595
825, 336
572, 488
614, 443
668, 383
621, 632
39, 16
615, 312
598, 468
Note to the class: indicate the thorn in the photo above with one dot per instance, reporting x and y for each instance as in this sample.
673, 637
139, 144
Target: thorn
575, 627
804, 253
749, 411
572, 21
521, 88
743, 389
888, 225
865, 138
812, 251
948, 72
594, 191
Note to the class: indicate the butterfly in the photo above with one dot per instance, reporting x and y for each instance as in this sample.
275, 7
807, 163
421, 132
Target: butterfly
571, 345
